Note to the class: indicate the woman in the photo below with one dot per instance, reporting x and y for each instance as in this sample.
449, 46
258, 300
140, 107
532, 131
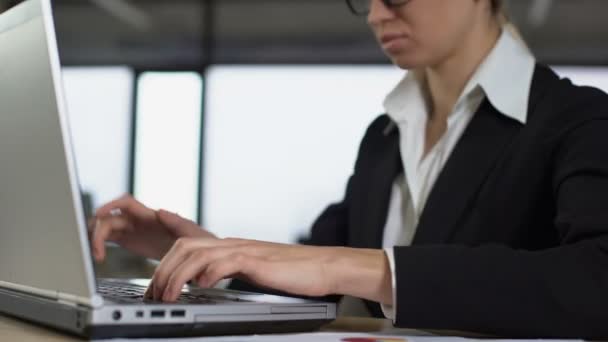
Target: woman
488, 174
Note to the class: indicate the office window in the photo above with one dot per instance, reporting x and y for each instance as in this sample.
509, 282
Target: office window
99, 101
281, 142
591, 76
167, 141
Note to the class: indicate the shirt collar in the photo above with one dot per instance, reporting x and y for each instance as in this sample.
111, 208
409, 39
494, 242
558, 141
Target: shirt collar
505, 76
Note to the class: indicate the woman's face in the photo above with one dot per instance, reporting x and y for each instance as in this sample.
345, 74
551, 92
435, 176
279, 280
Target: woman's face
424, 33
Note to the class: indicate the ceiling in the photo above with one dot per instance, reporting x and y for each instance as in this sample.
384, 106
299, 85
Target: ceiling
179, 34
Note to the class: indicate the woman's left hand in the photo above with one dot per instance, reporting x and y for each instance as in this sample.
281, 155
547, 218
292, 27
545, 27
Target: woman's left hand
300, 270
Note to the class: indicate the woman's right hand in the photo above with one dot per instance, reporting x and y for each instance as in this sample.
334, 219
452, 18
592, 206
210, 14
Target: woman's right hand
139, 229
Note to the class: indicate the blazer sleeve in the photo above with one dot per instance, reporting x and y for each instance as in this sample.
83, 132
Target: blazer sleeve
331, 227
558, 292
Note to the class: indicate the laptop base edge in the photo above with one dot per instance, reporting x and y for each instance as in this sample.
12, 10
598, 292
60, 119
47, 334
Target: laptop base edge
205, 329
74, 320
66, 318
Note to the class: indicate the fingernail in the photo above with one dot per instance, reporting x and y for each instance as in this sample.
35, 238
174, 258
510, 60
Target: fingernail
167, 297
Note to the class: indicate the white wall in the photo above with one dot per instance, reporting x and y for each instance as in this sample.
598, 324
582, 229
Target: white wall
99, 104
593, 76
281, 142
168, 141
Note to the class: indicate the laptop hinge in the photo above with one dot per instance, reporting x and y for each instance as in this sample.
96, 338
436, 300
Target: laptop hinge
94, 302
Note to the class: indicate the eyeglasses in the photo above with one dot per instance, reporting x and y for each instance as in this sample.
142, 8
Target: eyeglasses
362, 7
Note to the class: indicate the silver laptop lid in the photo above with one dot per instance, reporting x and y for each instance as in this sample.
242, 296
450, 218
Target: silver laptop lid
44, 248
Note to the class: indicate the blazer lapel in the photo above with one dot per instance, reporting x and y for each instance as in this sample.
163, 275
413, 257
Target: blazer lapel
372, 213
472, 160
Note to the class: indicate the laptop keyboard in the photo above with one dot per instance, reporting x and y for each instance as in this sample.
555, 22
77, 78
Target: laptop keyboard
129, 293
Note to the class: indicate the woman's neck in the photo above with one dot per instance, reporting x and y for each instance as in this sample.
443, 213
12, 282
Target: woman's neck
446, 80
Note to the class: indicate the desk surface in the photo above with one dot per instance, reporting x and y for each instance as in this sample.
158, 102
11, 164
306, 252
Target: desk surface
15, 330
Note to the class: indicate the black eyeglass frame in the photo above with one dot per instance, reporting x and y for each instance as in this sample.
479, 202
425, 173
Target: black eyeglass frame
387, 3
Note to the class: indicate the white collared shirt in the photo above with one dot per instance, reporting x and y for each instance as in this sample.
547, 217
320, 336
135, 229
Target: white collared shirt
504, 78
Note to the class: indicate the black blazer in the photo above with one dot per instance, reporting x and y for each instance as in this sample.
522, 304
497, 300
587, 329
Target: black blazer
513, 240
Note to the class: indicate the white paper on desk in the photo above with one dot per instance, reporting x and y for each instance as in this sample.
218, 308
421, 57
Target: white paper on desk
330, 337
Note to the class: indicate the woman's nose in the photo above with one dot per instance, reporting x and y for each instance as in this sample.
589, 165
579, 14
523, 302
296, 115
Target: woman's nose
379, 12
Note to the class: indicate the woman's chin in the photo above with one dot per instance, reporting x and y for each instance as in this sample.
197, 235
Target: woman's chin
406, 62
405, 59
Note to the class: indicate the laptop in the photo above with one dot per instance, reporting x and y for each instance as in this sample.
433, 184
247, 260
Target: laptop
46, 270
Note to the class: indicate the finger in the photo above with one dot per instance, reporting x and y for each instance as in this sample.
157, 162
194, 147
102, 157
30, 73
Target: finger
129, 205
91, 223
100, 235
194, 264
147, 294
227, 267
182, 249
104, 230
185, 252
176, 224
105, 209
176, 255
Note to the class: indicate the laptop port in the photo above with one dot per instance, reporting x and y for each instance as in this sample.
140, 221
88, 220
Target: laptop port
157, 313
178, 313
116, 315
139, 314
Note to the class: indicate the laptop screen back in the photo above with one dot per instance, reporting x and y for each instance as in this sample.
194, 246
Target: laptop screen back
43, 240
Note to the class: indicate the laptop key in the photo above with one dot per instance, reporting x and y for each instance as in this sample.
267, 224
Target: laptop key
130, 293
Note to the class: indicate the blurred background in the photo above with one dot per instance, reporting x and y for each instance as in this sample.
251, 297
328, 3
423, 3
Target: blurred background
246, 115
